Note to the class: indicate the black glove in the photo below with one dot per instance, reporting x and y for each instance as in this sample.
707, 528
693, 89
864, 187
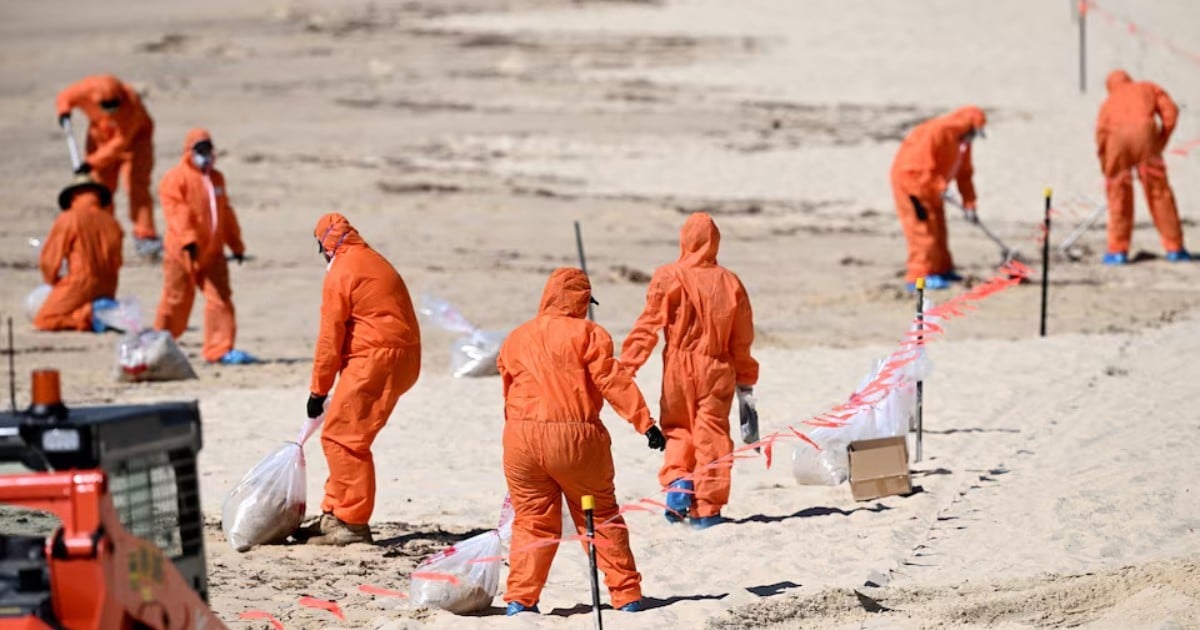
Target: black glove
191, 250
316, 405
655, 439
83, 169
240, 258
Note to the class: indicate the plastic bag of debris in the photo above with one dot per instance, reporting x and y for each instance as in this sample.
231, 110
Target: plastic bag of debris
829, 466
474, 351
35, 300
463, 578
123, 315
268, 504
151, 355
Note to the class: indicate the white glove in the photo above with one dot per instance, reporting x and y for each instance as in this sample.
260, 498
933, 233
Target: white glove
970, 215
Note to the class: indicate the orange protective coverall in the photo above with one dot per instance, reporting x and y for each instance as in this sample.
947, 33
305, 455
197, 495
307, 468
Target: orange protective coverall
930, 157
557, 371
196, 206
369, 333
705, 315
119, 146
1128, 137
89, 238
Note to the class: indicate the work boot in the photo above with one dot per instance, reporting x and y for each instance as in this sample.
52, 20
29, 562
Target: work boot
1179, 255
340, 533
316, 527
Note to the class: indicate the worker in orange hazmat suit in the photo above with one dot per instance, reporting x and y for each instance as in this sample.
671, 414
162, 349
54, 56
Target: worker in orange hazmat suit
557, 370
120, 145
200, 225
705, 315
934, 154
1130, 138
368, 334
88, 238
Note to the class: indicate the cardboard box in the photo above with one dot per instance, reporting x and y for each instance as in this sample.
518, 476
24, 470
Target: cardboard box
879, 468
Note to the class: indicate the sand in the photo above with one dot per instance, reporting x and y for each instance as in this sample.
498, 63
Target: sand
463, 138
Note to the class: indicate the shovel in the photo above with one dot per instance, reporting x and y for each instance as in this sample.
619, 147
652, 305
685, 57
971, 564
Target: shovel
1078, 232
1006, 253
71, 146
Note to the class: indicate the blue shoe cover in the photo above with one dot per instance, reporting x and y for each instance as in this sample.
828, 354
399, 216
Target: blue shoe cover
101, 304
1116, 258
935, 282
517, 607
680, 502
237, 357
952, 276
633, 606
1179, 255
704, 522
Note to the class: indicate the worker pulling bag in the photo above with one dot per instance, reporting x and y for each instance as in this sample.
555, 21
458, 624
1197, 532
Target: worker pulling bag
465, 577
268, 504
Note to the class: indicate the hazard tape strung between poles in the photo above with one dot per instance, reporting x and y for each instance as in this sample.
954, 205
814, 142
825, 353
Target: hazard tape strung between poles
1135, 29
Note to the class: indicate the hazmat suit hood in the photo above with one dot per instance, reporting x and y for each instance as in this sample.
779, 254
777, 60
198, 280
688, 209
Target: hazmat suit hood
335, 234
106, 88
193, 136
568, 292
1116, 79
967, 119
699, 240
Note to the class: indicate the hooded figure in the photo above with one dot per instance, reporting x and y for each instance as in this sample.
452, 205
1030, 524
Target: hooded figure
200, 225
88, 238
120, 145
934, 154
705, 315
557, 371
1129, 137
369, 335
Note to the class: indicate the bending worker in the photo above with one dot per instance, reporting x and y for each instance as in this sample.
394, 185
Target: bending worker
1128, 138
88, 238
368, 334
557, 371
704, 313
200, 225
934, 154
120, 145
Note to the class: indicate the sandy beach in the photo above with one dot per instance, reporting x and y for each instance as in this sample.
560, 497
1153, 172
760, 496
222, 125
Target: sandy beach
464, 137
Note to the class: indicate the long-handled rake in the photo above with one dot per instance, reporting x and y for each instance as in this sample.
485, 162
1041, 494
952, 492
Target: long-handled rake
1006, 253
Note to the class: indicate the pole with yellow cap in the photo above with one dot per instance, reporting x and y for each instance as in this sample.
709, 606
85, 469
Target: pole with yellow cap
921, 349
589, 508
1045, 262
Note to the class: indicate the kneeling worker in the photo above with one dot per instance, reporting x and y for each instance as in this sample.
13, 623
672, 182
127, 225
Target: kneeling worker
369, 334
88, 238
557, 371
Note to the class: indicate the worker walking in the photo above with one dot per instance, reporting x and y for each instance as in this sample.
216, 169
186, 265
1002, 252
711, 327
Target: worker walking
200, 225
369, 335
557, 370
934, 154
120, 146
87, 237
1134, 125
705, 315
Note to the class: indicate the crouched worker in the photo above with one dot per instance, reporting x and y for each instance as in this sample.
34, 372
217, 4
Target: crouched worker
369, 334
557, 370
88, 238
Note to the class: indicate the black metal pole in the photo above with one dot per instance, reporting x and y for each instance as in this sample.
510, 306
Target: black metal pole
1082, 46
920, 348
589, 506
583, 264
1046, 262
12, 368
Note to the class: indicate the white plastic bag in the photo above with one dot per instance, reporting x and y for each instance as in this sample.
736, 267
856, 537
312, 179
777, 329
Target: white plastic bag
463, 578
35, 300
829, 467
126, 316
475, 351
268, 504
151, 355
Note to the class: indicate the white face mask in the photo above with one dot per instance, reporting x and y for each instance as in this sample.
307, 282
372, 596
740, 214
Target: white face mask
202, 162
